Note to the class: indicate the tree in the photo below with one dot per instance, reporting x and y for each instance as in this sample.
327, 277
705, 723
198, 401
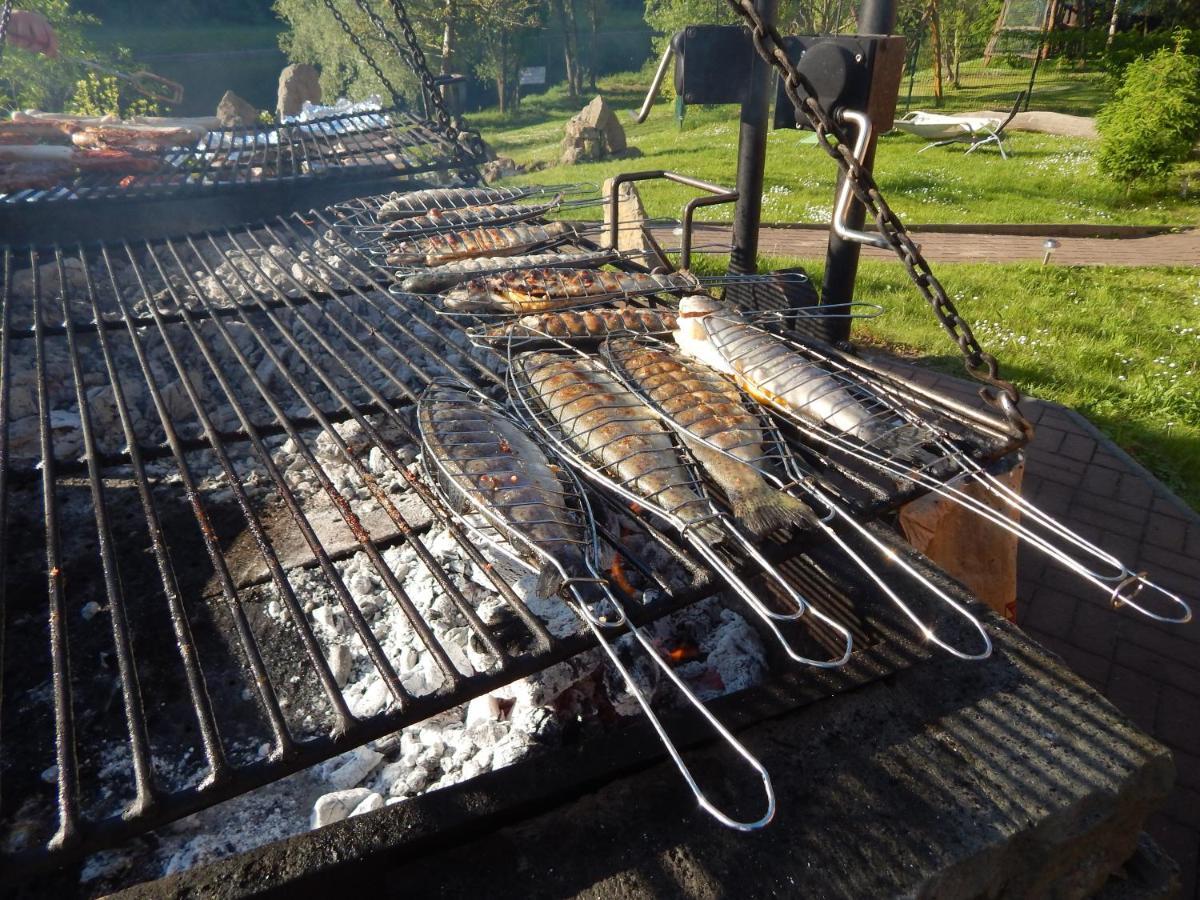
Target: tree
314, 37
500, 25
1153, 120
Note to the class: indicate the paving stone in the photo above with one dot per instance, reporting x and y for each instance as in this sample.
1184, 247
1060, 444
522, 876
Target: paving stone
1051, 613
1184, 807
1091, 667
1166, 532
1094, 629
1048, 438
1178, 720
1182, 845
1187, 768
1134, 490
1170, 641
1167, 671
1134, 694
1078, 446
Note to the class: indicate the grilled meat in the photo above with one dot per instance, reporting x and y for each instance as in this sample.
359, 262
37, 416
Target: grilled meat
768, 369
488, 462
136, 138
421, 203
33, 175
35, 132
535, 290
41, 166
435, 249
584, 325
430, 281
468, 216
615, 430
706, 407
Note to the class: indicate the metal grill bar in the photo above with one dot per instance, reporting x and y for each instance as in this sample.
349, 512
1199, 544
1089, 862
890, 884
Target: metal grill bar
162, 313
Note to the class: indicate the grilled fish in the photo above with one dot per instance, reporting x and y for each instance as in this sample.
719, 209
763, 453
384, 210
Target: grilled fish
435, 249
430, 281
488, 462
769, 370
584, 325
535, 290
612, 427
706, 407
468, 216
420, 203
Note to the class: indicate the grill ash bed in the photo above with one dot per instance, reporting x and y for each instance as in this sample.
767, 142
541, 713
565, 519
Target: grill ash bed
234, 598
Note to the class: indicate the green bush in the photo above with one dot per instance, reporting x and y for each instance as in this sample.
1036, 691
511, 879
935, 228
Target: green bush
1153, 121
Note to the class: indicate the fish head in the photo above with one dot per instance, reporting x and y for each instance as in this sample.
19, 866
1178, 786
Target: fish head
693, 336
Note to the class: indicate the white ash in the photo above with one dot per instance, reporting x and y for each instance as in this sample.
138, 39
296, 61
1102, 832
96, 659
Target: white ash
489, 733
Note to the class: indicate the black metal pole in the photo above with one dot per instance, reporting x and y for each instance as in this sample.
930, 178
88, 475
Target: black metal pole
752, 154
841, 257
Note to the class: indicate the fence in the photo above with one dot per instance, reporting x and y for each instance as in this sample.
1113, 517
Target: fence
945, 71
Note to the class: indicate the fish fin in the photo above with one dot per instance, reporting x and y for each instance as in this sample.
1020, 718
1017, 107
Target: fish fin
549, 582
764, 509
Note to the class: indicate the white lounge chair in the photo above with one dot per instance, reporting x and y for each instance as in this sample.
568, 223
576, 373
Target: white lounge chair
974, 130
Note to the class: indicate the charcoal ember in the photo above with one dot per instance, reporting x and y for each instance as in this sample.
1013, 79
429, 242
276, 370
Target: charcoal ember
336, 806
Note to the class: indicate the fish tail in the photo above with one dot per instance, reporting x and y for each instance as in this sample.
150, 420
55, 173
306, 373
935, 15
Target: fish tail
763, 508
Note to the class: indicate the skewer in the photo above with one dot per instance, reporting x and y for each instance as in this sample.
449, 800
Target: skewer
693, 525
921, 444
502, 537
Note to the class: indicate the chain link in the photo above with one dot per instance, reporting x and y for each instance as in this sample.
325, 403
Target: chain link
980, 364
397, 97
467, 145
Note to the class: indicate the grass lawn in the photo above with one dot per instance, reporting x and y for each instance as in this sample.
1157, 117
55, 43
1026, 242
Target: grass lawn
996, 87
1120, 345
1049, 180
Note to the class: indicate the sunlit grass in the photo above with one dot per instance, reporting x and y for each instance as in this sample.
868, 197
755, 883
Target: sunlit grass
1048, 180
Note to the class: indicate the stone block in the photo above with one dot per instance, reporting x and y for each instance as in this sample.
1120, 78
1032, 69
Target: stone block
298, 83
233, 111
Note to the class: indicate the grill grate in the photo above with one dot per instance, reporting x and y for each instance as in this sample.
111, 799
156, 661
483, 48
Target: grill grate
198, 437
192, 430
360, 145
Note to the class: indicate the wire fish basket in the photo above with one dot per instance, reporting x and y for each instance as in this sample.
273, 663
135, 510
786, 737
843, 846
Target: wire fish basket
511, 494
681, 392
606, 433
381, 209
842, 411
520, 292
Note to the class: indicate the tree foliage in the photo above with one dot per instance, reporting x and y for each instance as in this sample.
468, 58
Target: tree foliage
30, 80
1153, 121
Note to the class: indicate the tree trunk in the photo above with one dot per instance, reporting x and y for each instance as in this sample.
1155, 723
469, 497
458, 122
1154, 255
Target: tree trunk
448, 37
593, 8
502, 74
1112, 23
570, 57
935, 34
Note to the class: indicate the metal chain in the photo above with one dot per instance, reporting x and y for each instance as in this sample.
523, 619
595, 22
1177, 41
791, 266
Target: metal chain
468, 145
465, 158
5, 15
433, 95
980, 364
397, 97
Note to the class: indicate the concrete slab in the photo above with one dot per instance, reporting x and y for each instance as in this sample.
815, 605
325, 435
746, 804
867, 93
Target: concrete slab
1006, 778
